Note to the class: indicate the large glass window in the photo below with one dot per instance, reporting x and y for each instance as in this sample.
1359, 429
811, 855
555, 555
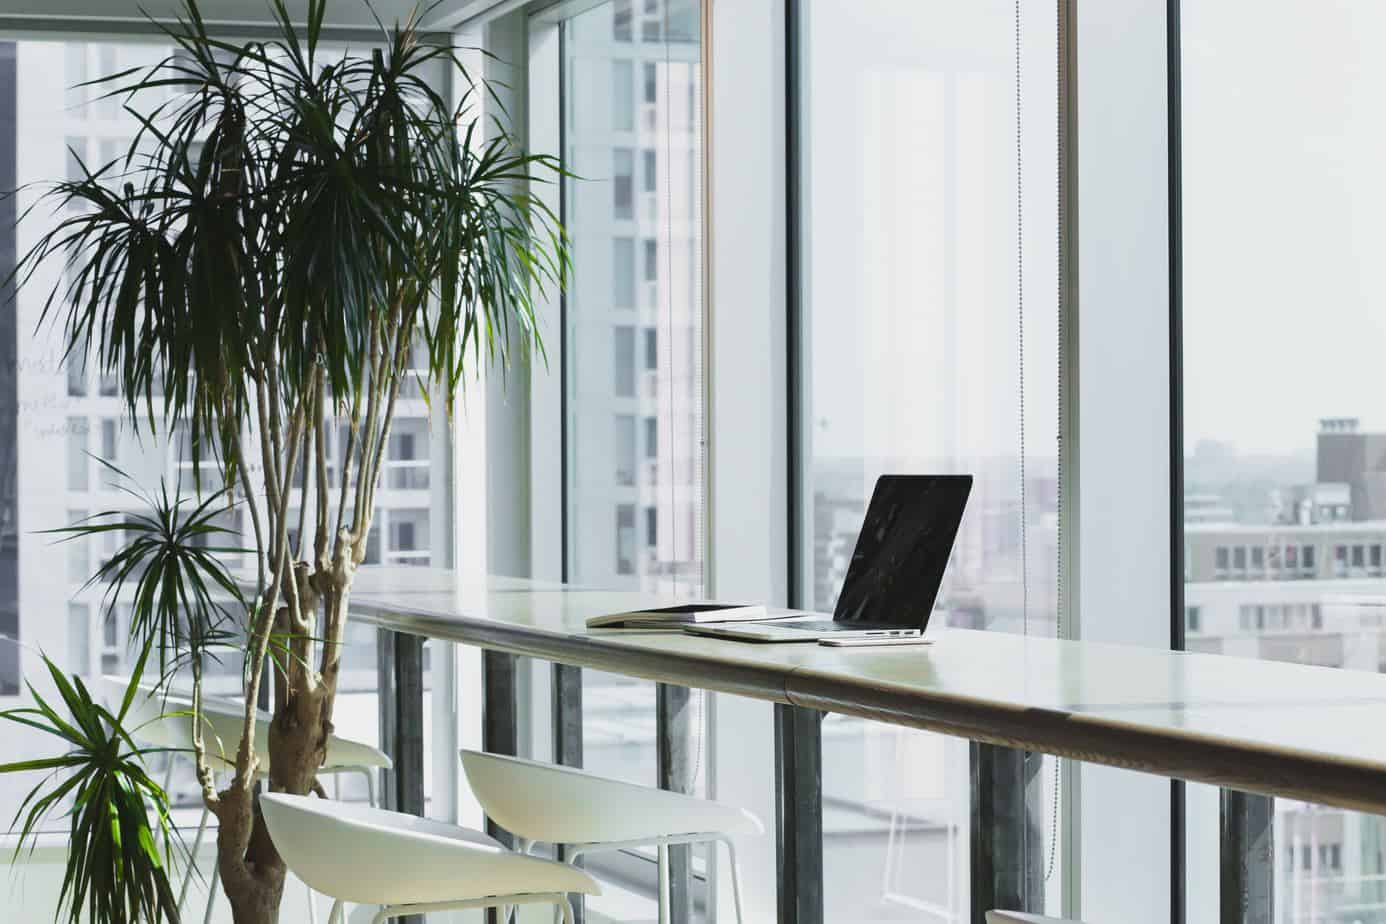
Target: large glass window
633, 338
929, 345
58, 422
1284, 411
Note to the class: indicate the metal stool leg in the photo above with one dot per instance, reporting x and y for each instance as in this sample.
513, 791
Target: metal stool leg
735, 877
338, 913
664, 902
212, 892
192, 858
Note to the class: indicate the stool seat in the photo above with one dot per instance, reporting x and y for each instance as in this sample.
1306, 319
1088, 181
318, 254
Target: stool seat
563, 805
1015, 917
372, 856
165, 720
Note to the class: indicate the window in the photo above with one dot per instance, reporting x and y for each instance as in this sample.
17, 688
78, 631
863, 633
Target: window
78, 462
49, 469
108, 441
1239, 559
613, 358
649, 170
625, 449
651, 349
649, 83
623, 361
621, 20
407, 464
910, 307
611, 364
623, 183
1258, 562
1224, 558
651, 260
1191, 618
79, 638
622, 96
1320, 228
625, 538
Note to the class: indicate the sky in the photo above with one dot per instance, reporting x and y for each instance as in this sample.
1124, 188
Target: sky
1284, 202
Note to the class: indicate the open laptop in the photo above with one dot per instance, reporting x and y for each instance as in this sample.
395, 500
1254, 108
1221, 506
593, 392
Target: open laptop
895, 572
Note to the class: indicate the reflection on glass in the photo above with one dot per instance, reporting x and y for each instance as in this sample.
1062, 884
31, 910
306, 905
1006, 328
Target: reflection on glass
913, 347
48, 477
632, 363
1285, 420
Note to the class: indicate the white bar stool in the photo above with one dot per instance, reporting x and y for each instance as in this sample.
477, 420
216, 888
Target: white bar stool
1015, 917
153, 725
406, 864
540, 802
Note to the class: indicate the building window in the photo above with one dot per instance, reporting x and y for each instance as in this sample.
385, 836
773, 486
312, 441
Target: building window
651, 349
1340, 561
77, 374
1223, 558
1306, 559
79, 637
1258, 562
1359, 557
623, 183
650, 169
622, 95
623, 360
1191, 618
78, 463
651, 260
649, 83
651, 526
1239, 559
651, 437
625, 538
621, 20
622, 272
1376, 558
108, 440
625, 449
78, 551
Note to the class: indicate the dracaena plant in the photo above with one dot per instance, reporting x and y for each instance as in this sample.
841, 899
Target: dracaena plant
293, 237
119, 831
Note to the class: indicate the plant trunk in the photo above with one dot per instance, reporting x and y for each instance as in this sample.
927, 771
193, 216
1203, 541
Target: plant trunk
298, 734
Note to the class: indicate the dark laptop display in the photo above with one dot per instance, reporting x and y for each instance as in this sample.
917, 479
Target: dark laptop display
902, 550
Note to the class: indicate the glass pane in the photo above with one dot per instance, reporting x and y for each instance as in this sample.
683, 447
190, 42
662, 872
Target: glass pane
930, 345
1285, 423
633, 352
54, 417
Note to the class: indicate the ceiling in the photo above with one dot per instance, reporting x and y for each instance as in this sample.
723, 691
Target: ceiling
122, 15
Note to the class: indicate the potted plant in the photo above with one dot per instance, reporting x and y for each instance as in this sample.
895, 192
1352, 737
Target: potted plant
290, 231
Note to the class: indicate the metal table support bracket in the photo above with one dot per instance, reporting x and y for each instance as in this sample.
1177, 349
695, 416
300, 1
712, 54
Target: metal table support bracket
1247, 858
399, 672
567, 743
799, 814
1007, 844
500, 726
675, 733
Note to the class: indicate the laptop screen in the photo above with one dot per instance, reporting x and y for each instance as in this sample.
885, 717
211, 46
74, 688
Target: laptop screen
903, 549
